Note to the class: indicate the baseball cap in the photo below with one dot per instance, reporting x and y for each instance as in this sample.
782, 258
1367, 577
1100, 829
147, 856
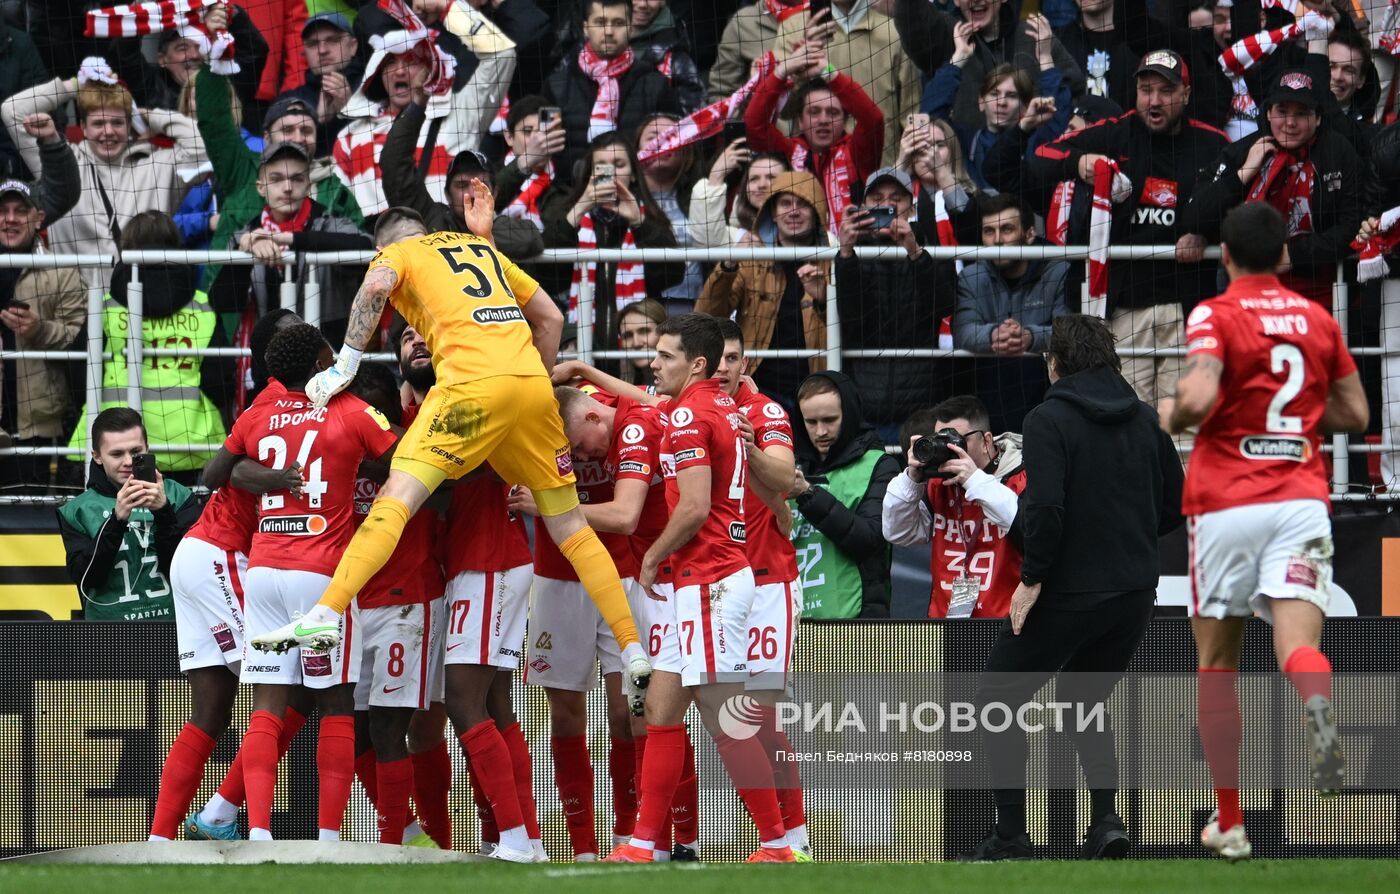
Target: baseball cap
894, 174
336, 20
19, 188
1294, 85
1094, 109
287, 105
283, 150
1166, 63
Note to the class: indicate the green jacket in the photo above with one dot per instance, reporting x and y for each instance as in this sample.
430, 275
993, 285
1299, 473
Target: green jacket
122, 569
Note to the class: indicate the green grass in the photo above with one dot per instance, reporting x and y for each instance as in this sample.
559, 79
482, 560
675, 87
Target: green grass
1139, 877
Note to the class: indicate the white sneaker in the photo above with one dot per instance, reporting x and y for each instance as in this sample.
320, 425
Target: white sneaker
318, 629
636, 676
1232, 844
537, 847
511, 855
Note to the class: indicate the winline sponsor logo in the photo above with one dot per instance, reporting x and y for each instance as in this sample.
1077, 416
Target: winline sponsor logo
294, 525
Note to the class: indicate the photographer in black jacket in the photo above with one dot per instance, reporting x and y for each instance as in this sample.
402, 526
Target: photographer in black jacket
1103, 482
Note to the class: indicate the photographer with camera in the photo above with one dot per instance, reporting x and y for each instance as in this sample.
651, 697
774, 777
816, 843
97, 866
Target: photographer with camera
960, 491
120, 534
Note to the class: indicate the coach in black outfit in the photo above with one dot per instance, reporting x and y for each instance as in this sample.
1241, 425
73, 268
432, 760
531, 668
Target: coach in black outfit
1103, 482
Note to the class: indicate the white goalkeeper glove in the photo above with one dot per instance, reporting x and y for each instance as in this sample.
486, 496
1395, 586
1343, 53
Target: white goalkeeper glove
327, 383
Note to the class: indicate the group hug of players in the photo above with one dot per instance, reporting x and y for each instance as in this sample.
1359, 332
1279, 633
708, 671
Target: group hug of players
323, 495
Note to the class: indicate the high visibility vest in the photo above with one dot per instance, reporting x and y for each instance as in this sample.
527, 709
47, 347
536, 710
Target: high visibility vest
173, 407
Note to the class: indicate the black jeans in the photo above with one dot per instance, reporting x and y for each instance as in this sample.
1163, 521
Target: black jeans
1094, 646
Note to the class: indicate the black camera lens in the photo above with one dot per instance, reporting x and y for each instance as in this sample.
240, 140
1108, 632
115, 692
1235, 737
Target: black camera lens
936, 450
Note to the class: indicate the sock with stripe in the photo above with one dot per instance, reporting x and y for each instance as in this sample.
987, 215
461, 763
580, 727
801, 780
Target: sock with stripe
374, 542
335, 767
432, 782
598, 574
180, 778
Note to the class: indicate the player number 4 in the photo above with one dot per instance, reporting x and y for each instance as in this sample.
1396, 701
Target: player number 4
1285, 358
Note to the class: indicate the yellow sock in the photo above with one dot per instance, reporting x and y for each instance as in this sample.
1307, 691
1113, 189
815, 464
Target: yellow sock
598, 574
369, 549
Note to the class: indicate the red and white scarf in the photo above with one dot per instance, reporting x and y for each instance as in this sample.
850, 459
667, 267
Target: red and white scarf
138, 19
1286, 182
781, 11
707, 122
1246, 53
413, 38
629, 284
1061, 204
525, 206
836, 180
1389, 39
1110, 187
1374, 250
605, 73
296, 225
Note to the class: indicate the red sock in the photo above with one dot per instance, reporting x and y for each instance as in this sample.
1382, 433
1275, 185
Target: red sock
573, 777
1310, 672
524, 777
1218, 717
395, 786
487, 819
180, 779
752, 775
787, 779
661, 773
335, 765
232, 789
259, 766
685, 809
432, 780
491, 763
622, 770
366, 763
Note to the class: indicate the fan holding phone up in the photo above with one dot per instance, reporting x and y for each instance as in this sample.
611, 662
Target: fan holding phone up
883, 217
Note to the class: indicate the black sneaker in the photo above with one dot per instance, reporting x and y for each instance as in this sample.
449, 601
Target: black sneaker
1106, 839
994, 847
682, 854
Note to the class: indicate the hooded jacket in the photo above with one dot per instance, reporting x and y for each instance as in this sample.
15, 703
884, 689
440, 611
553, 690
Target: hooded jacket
756, 287
853, 529
1103, 483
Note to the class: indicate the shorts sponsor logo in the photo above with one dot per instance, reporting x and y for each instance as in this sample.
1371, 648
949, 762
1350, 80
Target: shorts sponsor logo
186, 656
390, 690
365, 489
219, 569
633, 434
316, 665
773, 411
564, 461
634, 467
262, 668
1199, 315
1275, 447
540, 665
737, 532
453, 646
447, 456
1301, 572
509, 314
294, 525
692, 453
362, 507
510, 653
681, 416
545, 641
224, 637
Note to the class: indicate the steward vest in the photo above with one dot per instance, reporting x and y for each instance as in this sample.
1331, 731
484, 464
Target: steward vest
831, 582
173, 408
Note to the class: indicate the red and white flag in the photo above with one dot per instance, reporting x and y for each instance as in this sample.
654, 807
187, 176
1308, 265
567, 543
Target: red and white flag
184, 16
707, 122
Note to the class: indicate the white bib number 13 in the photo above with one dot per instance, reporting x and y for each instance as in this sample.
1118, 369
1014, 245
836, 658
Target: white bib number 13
276, 447
1285, 358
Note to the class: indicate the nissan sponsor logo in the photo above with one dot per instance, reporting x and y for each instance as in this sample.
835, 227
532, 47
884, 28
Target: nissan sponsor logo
737, 532
509, 314
293, 525
1275, 447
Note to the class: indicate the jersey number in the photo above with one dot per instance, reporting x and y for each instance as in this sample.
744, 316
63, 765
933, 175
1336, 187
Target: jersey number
483, 287
1285, 358
736, 484
808, 558
276, 447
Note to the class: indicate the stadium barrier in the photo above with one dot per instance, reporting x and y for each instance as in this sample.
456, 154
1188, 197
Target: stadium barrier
87, 715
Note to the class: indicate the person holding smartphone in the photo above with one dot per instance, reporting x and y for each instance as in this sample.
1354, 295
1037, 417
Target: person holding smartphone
121, 533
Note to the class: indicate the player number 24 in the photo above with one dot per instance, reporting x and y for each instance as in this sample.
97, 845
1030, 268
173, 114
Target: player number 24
275, 446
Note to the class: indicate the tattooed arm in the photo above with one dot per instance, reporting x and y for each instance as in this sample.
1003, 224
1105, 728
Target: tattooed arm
365, 314
1196, 392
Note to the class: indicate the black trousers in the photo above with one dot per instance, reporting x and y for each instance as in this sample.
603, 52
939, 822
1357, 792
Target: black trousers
1093, 647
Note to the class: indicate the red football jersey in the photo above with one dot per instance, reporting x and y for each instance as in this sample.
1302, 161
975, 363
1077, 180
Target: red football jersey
702, 429
636, 454
1261, 442
308, 533
964, 542
771, 555
480, 534
231, 514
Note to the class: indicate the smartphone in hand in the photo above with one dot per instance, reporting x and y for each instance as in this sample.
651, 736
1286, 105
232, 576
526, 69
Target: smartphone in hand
143, 467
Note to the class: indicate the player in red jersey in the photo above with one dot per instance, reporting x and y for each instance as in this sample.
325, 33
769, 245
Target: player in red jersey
1267, 372
711, 589
297, 544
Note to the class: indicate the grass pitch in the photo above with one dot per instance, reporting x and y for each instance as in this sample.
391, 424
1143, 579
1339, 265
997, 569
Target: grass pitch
1140, 877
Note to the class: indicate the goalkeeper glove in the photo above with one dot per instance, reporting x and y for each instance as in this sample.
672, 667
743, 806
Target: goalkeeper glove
329, 382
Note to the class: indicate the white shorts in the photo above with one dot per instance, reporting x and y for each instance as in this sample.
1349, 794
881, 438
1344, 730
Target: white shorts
1241, 558
569, 639
401, 656
486, 617
207, 586
712, 628
656, 621
772, 633
274, 596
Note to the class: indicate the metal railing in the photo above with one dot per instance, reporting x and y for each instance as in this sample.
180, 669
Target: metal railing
834, 353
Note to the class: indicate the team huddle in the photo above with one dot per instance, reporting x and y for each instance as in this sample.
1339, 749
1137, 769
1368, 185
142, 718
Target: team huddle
383, 574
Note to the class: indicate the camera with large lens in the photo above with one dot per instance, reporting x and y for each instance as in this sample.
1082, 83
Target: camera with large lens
935, 450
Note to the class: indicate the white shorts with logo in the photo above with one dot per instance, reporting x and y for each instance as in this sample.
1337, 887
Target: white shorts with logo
401, 656
486, 617
274, 596
656, 621
568, 637
712, 626
207, 585
1246, 556
772, 634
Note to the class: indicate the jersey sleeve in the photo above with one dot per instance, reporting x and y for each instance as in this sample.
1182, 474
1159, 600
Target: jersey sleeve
771, 427
369, 427
522, 285
636, 452
1206, 331
236, 442
392, 258
690, 441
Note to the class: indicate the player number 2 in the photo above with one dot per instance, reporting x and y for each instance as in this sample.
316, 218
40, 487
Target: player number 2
1285, 358
736, 484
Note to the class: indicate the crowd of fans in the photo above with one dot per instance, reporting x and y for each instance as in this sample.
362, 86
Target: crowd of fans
282, 127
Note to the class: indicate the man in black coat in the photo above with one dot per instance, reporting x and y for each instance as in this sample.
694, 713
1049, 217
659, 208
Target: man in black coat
1103, 483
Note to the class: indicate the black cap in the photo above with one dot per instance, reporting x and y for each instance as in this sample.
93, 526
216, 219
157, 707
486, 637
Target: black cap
1295, 85
18, 188
469, 161
1094, 109
275, 151
287, 105
1166, 63
336, 20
